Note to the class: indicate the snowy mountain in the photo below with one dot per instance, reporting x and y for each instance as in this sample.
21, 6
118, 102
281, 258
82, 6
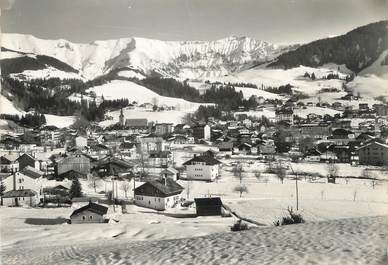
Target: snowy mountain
178, 59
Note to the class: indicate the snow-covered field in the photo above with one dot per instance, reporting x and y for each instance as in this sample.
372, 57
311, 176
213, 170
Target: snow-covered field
7, 107
278, 77
59, 121
118, 89
248, 92
49, 72
315, 110
348, 241
144, 236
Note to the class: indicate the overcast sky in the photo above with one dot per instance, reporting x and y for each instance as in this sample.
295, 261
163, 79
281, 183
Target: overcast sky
280, 21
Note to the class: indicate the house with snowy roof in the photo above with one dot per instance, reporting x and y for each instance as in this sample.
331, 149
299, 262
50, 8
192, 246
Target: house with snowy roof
159, 194
24, 197
90, 213
203, 167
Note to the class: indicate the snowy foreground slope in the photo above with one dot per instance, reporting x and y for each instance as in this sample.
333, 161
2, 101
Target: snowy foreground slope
346, 241
181, 59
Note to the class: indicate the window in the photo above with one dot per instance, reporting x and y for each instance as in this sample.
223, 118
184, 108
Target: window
90, 217
83, 218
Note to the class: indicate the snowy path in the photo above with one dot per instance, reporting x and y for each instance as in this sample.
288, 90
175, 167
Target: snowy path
346, 241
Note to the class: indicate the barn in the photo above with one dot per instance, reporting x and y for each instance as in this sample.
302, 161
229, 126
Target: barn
90, 213
208, 206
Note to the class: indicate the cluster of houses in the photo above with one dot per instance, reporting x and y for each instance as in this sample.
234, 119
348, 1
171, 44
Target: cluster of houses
140, 149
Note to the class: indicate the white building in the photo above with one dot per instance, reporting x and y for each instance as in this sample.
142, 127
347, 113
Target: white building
202, 167
20, 181
158, 194
81, 141
20, 198
22, 190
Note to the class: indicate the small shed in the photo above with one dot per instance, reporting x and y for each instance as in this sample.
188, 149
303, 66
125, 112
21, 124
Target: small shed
208, 206
171, 173
90, 213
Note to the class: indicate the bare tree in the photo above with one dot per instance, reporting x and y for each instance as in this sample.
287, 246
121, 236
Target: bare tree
280, 172
332, 169
258, 175
354, 195
238, 172
155, 103
366, 173
241, 189
374, 183
125, 186
94, 181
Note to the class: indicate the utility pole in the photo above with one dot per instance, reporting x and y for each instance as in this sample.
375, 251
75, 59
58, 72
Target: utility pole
113, 194
296, 187
134, 186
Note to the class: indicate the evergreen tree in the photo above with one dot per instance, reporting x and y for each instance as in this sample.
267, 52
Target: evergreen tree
75, 189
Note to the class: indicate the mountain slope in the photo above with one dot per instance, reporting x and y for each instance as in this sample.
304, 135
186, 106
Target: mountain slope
32, 65
179, 59
357, 49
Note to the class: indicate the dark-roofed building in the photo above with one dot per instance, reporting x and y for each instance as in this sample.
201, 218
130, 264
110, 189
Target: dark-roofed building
373, 153
226, 147
171, 173
160, 159
312, 155
28, 160
202, 167
114, 166
78, 162
71, 174
163, 129
20, 181
90, 213
23, 197
208, 206
202, 132
32, 172
284, 115
8, 165
128, 149
137, 125
158, 194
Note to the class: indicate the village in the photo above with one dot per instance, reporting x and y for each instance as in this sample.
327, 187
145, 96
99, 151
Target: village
215, 175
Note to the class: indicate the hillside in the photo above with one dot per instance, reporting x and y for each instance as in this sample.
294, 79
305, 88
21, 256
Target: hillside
179, 59
357, 49
29, 66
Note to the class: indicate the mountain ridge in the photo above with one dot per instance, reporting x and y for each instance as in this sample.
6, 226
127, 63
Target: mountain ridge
357, 49
178, 59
